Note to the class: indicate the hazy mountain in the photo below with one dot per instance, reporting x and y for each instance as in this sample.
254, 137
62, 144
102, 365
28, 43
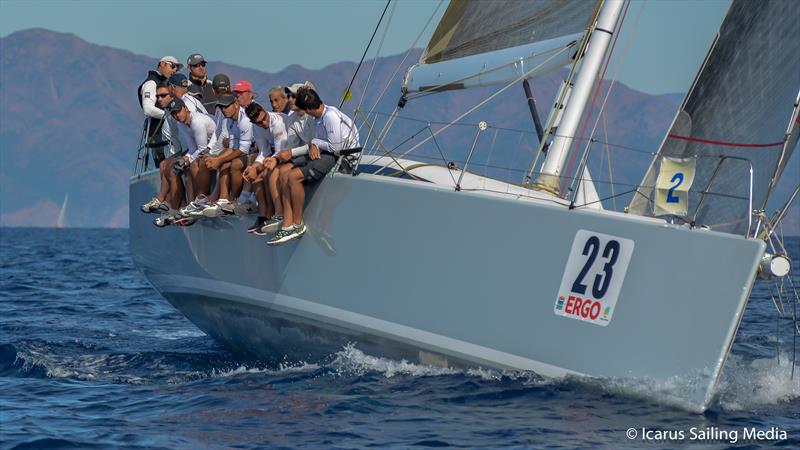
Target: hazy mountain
71, 124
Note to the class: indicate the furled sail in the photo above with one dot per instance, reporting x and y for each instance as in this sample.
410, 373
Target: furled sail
736, 115
484, 42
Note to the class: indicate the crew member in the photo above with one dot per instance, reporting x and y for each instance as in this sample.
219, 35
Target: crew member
197, 75
167, 66
334, 132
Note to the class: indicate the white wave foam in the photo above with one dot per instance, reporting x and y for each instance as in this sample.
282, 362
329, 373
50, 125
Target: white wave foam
758, 383
351, 360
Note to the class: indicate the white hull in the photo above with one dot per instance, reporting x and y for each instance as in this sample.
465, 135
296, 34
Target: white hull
413, 270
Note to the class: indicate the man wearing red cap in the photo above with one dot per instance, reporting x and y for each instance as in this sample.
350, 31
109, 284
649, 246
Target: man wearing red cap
243, 90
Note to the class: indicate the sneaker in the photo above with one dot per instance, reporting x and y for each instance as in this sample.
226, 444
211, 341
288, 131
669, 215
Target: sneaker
163, 220
300, 230
195, 208
226, 206
211, 210
256, 228
282, 236
272, 224
153, 205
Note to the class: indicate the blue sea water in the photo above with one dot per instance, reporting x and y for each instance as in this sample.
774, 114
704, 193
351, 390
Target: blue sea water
92, 357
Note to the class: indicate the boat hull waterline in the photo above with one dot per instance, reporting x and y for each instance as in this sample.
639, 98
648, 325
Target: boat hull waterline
412, 270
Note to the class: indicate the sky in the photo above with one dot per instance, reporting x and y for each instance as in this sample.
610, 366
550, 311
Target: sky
660, 48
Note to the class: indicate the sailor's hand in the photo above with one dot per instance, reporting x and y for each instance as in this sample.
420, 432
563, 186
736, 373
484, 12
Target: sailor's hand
313, 152
213, 163
251, 172
284, 156
270, 163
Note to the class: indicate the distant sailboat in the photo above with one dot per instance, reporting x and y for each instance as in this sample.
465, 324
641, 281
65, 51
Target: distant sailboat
61, 216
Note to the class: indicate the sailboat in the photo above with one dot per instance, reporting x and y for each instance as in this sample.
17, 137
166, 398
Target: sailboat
563, 287
61, 221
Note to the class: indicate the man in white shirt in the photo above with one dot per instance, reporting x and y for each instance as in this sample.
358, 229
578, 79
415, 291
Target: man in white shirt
167, 66
159, 203
269, 133
334, 132
179, 88
226, 159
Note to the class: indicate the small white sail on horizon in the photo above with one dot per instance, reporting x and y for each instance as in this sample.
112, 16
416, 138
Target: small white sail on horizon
61, 221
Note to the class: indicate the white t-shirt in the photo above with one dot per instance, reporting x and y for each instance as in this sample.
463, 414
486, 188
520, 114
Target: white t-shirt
239, 133
272, 140
198, 135
334, 131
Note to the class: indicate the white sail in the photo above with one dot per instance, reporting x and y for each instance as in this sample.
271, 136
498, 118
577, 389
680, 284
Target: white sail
483, 42
62, 215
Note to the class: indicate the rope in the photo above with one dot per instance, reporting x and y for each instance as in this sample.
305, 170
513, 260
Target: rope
344, 97
723, 143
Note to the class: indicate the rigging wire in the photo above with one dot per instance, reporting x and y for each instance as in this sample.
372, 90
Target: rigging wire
377, 54
483, 102
344, 96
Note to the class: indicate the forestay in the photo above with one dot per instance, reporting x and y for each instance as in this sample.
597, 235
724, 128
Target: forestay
737, 113
483, 42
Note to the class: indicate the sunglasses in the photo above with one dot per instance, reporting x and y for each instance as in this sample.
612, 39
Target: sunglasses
162, 95
201, 64
290, 95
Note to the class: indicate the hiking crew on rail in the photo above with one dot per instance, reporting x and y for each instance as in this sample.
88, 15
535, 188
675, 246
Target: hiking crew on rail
219, 152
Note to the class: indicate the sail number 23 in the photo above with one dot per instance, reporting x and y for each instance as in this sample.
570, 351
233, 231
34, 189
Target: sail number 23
593, 277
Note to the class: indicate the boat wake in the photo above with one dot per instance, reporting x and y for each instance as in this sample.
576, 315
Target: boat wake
745, 384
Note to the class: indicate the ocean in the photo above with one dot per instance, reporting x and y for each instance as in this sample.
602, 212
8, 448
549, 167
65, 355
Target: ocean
92, 357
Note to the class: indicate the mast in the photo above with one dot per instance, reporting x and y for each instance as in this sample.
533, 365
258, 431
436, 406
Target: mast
603, 31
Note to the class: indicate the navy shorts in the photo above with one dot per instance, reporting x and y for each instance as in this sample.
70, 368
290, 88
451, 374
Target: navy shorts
314, 170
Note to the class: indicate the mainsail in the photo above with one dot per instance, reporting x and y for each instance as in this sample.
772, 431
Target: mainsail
736, 114
484, 42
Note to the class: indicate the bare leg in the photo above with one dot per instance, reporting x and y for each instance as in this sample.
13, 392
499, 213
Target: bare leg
223, 181
201, 177
297, 192
286, 199
275, 186
163, 193
261, 196
175, 189
237, 166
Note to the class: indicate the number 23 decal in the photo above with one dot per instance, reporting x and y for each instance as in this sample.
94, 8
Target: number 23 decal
593, 277
601, 281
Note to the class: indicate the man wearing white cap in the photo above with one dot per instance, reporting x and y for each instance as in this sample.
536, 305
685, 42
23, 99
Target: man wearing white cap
167, 67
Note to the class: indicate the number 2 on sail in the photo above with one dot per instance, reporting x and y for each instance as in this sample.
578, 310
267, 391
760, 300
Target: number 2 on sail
600, 261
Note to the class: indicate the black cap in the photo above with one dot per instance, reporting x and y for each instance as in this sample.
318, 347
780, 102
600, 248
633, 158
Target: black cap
194, 59
179, 79
175, 105
253, 110
221, 82
225, 99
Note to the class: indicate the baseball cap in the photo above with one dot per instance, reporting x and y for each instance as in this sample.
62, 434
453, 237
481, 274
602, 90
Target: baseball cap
242, 86
173, 60
194, 59
179, 79
253, 110
295, 87
175, 105
221, 82
225, 99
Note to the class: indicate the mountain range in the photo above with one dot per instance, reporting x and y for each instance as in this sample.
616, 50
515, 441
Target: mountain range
71, 123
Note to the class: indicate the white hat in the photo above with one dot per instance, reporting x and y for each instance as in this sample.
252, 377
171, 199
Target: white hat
295, 87
173, 60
